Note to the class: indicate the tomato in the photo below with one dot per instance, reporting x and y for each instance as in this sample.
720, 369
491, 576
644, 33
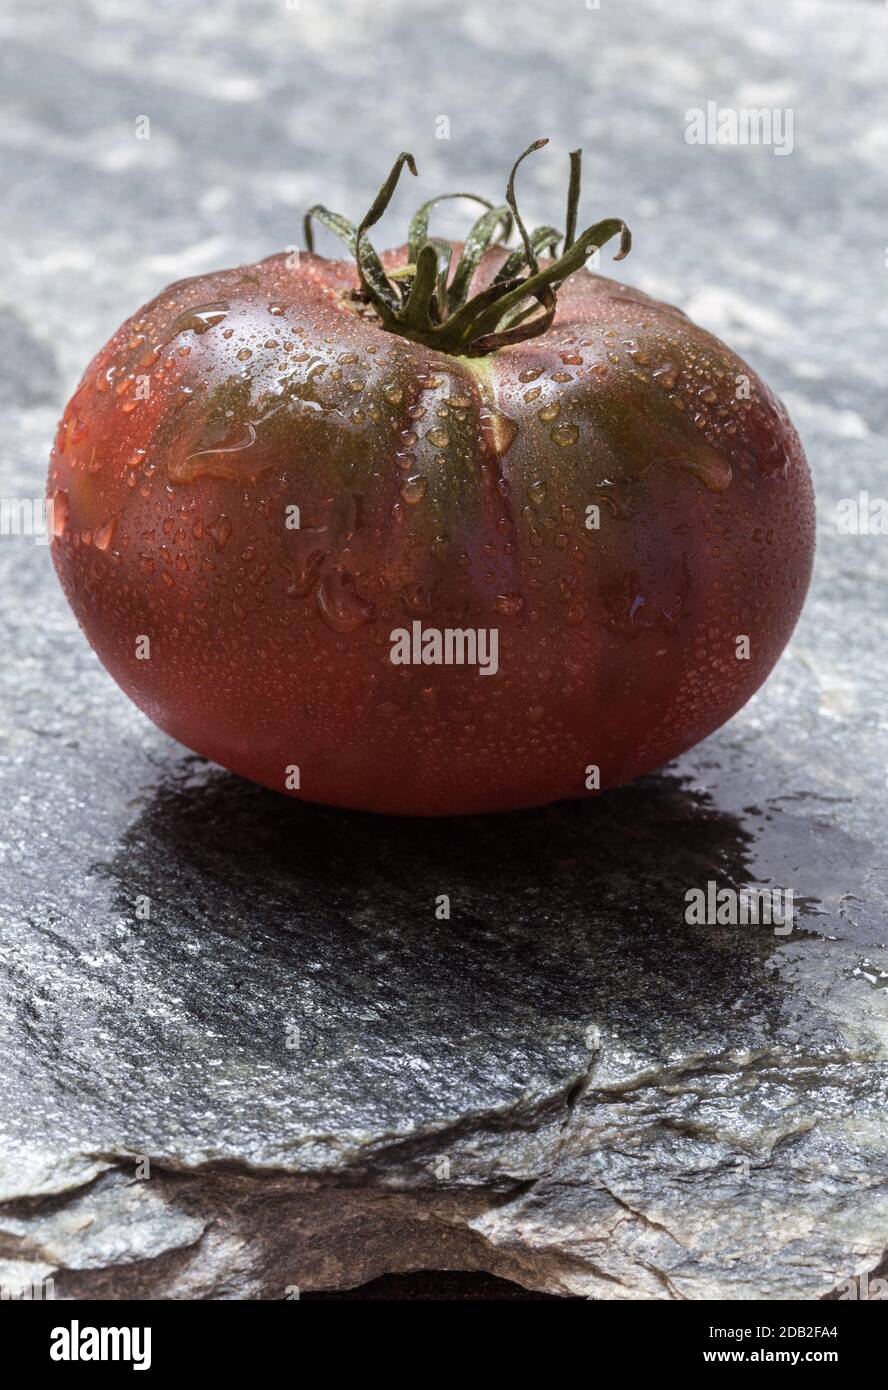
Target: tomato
453, 529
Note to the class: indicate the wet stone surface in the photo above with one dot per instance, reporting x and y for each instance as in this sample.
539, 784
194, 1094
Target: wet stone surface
292, 1073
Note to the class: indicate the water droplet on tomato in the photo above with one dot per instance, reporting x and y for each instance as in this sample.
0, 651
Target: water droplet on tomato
498, 432
200, 319
61, 512
413, 489
665, 376
104, 534
713, 471
221, 531
508, 604
341, 608
416, 599
219, 439
565, 435
537, 492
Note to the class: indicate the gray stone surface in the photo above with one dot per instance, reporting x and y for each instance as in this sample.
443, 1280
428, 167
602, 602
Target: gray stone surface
564, 1084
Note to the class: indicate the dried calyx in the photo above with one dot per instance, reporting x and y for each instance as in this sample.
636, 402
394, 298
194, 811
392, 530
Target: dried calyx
424, 302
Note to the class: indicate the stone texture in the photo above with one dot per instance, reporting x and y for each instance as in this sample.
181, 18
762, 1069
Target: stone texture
565, 1084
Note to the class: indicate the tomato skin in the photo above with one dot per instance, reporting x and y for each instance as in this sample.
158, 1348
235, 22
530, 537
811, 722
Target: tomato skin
451, 491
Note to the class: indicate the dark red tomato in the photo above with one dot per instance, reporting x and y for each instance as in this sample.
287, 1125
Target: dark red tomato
286, 494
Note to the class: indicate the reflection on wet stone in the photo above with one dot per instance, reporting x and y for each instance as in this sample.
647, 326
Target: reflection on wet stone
564, 1083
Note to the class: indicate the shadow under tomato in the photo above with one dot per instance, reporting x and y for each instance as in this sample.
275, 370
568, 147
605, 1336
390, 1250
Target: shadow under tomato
267, 913
628, 847
559, 914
